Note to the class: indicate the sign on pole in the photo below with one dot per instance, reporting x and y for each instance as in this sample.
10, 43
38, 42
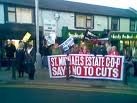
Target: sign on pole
26, 37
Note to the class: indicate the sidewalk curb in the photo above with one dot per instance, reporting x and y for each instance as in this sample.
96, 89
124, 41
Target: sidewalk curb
67, 84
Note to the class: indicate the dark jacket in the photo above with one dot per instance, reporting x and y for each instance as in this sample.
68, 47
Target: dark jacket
45, 51
20, 58
95, 50
10, 50
102, 51
30, 61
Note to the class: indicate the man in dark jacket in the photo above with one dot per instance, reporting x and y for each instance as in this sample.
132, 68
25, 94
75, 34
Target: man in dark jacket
20, 57
102, 50
95, 50
10, 52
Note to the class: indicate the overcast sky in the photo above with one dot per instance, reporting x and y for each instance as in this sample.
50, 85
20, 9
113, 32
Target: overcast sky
112, 3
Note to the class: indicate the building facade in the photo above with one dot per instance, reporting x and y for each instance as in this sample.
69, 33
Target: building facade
64, 18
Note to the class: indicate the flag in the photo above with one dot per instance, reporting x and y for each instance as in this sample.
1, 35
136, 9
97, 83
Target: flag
89, 35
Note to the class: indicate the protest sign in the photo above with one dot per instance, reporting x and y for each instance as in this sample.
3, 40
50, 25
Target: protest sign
26, 37
68, 43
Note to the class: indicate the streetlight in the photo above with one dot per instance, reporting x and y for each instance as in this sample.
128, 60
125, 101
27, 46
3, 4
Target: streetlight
38, 56
56, 17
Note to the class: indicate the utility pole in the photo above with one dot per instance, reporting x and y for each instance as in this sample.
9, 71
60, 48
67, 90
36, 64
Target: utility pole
38, 55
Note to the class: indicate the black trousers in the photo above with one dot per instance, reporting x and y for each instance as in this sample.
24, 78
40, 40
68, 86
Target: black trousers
9, 63
20, 68
30, 70
31, 76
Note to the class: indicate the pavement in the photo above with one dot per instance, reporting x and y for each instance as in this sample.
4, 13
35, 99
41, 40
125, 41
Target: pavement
42, 78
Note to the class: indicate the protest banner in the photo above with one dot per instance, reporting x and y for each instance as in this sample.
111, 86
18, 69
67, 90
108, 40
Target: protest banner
87, 66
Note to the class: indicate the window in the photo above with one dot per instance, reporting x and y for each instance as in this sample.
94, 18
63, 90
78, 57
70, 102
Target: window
132, 25
84, 21
20, 15
11, 14
24, 15
115, 24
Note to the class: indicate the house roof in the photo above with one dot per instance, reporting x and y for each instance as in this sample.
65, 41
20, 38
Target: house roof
68, 6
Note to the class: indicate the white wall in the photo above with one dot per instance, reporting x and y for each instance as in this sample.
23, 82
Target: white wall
109, 23
66, 19
1, 14
100, 23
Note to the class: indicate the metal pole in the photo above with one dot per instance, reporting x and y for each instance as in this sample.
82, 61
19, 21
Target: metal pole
38, 56
67, 67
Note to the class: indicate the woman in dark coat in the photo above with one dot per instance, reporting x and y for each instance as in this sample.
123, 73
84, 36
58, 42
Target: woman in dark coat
30, 58
20, 57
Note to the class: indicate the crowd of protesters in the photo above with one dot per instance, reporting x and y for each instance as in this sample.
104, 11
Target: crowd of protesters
21, 58
100, 48
25, 54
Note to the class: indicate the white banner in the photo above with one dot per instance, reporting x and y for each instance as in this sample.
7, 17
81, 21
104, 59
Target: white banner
68, 43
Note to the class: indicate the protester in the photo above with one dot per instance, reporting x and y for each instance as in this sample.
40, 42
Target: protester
113, 51
101, 49
84, 50
127, 53
108, 47
75, 49
45, 54
10, 50
134, 52
20, 57
95, 49
30, 58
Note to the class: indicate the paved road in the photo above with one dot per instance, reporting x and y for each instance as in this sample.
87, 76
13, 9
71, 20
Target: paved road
13, 94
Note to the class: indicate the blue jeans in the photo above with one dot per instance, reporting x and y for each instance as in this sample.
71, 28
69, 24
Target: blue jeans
45, 61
